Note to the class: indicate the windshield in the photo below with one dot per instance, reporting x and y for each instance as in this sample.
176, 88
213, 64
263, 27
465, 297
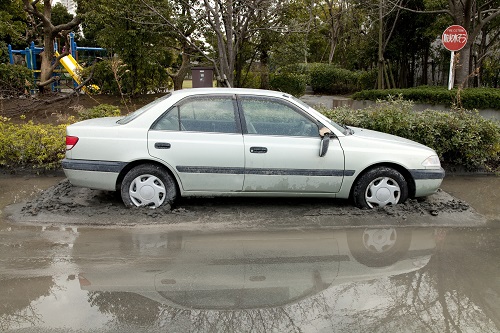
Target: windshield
140, 111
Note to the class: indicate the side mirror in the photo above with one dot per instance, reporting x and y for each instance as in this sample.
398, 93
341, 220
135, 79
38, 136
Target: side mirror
325, 141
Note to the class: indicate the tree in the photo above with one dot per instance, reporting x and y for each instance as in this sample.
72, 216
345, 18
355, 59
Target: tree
178, 21
12, 26
474, 16
130, 32
43, 16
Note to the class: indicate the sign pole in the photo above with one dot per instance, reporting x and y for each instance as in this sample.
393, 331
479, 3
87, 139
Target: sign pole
451, 77
454, 39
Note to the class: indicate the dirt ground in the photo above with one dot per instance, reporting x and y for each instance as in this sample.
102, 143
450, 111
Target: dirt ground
55, 108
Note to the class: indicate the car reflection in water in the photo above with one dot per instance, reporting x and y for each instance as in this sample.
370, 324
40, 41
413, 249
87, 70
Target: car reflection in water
245, 270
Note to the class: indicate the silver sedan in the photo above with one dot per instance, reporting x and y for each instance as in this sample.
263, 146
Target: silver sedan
243, 142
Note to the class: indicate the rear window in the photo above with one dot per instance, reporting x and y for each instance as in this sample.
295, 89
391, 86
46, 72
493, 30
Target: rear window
140, 111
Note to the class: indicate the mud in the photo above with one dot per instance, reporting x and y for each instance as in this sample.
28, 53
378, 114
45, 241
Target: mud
66, 204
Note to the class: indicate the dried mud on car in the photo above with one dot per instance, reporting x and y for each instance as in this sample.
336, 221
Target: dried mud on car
66, 204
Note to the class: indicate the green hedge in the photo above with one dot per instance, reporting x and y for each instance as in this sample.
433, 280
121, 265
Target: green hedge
31, 145
329, 79
460, 138
102, 110
40, 146
470, 98
15, 80
291, 83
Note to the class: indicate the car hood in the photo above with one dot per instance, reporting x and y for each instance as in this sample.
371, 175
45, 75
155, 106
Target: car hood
383, 137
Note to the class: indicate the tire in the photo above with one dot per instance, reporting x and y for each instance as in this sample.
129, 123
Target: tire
379, 187
378, 247
148, 185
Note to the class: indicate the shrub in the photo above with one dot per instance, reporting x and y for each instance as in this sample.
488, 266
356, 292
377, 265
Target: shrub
103, 77
251, 80
291, 83
33, 145
459, 137
330, 79
99, 111
469, 98
40, 146
15, 80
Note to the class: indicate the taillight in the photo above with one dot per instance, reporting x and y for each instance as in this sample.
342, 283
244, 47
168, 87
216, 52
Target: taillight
71, 142
83, 281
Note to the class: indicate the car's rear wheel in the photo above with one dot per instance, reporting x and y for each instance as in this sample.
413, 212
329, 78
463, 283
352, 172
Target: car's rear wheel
148, 185
379, 187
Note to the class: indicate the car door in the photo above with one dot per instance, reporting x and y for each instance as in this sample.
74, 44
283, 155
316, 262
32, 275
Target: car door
201, 139
282, 146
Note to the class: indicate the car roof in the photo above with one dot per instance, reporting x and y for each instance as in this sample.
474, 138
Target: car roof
238, 91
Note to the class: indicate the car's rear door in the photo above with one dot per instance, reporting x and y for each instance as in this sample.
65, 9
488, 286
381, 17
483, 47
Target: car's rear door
201, 139
282, 146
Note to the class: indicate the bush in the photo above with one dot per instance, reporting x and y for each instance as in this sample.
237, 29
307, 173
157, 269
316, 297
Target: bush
99, 111
40, 146
460, 137
15, 80
151, 77
103, 77
291, 83
330, 79
470, 98
251, 80
31, 145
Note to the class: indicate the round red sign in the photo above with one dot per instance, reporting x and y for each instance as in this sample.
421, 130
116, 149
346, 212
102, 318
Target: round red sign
454, 38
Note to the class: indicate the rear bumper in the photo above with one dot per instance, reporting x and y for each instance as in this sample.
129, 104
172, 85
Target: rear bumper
101, 175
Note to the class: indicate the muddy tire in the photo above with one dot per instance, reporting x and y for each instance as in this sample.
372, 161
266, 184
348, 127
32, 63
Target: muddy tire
379, 187
379, 247
148, 185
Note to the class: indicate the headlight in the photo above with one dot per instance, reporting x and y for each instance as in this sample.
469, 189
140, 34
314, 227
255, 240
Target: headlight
431, 161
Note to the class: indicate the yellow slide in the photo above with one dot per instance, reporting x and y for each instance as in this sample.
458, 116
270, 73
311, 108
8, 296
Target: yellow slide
74, 69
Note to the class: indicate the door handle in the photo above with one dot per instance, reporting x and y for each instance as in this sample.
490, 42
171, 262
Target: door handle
162, 145
258, 150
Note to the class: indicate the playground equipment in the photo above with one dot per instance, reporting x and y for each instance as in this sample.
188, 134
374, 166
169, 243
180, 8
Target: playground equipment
74, 69
69, 62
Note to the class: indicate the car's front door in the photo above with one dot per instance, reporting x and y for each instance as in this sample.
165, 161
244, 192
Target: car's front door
201, 139
282, 150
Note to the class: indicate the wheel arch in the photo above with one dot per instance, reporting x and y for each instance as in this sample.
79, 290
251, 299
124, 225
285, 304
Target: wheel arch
133, 164
401, 169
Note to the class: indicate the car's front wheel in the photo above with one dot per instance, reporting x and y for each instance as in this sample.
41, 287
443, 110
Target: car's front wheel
379, 187
148, 185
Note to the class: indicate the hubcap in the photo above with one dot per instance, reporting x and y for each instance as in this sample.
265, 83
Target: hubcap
382, 191
147, 190
379, 240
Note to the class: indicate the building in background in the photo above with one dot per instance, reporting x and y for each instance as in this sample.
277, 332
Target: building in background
69, 4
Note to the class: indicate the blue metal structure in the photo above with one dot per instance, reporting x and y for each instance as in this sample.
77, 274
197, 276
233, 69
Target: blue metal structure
30, 53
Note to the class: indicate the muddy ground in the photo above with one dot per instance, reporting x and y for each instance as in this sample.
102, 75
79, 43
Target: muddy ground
69, 205
57, 108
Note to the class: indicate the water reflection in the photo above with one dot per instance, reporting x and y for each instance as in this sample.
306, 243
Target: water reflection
377, 280
249, 270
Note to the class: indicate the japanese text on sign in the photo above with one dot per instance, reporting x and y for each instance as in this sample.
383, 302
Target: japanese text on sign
456, 38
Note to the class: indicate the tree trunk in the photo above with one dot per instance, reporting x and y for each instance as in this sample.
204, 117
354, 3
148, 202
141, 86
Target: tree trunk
178, 78
264, 70
462, 67
49, 33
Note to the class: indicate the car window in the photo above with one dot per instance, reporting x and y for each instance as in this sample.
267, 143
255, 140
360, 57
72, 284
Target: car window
207, 114
272, 117
140, 111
